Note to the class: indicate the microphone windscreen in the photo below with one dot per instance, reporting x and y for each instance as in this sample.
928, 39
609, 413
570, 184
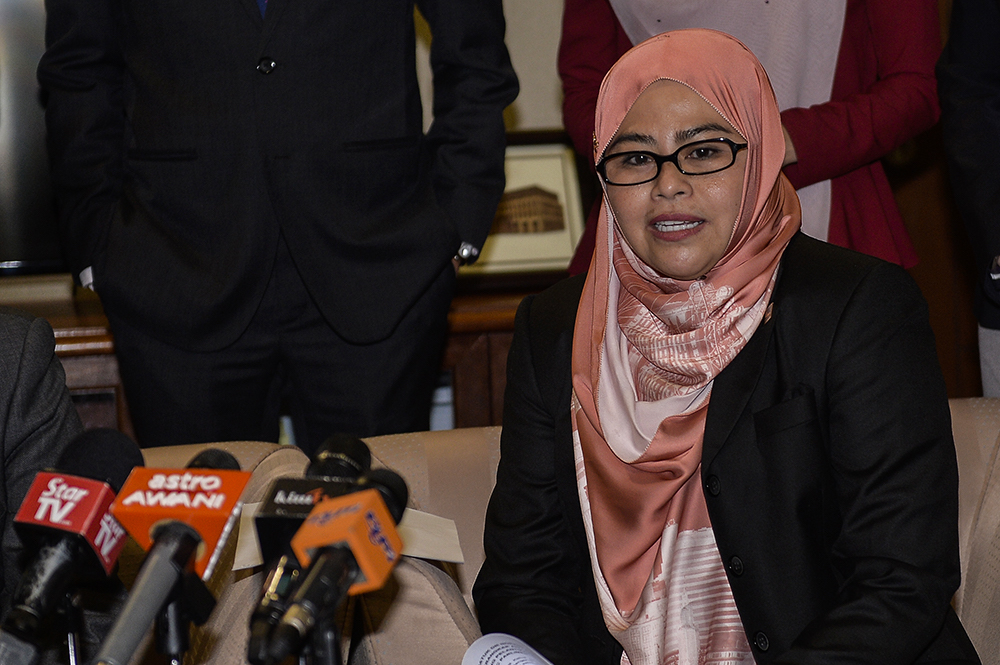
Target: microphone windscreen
213, 458
393, 489
101, 454
340, 456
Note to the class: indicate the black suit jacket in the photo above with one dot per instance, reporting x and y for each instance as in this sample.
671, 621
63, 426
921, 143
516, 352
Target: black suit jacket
969, 87
828, 468
37, 422
184, 136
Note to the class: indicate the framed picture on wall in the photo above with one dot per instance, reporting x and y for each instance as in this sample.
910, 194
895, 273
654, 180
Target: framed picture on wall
539, 219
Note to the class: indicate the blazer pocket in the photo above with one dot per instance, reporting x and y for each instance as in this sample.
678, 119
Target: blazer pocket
381, 144
793, 412
162, 155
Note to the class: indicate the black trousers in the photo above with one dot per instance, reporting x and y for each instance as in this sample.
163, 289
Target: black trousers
288, 358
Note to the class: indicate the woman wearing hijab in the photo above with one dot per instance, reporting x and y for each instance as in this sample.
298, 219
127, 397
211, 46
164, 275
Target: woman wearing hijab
854, 79
730, 442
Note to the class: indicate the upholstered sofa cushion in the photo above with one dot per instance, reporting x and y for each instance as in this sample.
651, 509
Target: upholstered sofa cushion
976, 425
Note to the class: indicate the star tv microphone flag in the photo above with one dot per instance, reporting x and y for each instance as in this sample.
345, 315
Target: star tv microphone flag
70, 535
76, 505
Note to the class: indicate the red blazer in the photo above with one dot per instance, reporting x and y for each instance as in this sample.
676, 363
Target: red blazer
884, 93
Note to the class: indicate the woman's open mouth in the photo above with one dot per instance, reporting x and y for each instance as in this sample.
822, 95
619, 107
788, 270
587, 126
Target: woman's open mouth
668, 227
675, 227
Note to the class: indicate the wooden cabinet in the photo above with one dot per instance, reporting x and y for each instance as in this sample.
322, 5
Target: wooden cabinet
480, 332
86, 349
481, 325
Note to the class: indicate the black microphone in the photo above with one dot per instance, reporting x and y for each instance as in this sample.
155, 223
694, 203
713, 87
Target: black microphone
340, 457
333, 471
354, 546
65, 519
182, 516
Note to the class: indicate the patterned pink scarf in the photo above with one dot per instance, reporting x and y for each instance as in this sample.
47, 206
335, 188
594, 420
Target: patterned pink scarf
676, 336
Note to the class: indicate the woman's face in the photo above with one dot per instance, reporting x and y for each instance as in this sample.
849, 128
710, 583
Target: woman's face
678, 224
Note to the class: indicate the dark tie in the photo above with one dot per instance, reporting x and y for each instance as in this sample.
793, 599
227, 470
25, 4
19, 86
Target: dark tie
263, 5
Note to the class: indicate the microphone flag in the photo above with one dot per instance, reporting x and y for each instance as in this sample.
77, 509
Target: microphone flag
205, 499
359, 521
75, 505
287, 504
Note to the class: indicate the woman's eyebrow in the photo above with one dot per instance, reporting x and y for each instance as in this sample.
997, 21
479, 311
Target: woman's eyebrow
632, 137
692, 133
681, 136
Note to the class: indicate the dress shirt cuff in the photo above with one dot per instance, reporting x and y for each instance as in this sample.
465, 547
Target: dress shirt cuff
87, 278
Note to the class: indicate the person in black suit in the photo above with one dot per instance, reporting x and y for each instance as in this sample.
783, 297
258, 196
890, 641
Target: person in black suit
247, 186
37, 423
969, 87
728, 442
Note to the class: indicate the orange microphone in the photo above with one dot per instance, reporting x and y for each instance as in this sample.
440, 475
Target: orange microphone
182, 517
333, 471
350, 545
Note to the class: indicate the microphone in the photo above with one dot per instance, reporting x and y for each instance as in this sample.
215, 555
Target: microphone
333, 471
65, 518
340, 457
182, 517
350, 545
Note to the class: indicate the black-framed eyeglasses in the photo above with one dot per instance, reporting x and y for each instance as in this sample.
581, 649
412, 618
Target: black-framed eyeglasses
636, 167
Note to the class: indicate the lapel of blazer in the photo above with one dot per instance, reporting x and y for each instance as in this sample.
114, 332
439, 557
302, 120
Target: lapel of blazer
271, 17
253, 11
267, 22
735, 384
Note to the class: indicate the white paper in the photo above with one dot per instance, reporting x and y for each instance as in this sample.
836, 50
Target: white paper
427, 536
247, 548
502, 649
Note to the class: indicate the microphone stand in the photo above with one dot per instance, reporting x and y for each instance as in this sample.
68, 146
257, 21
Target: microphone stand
325, 640
189, 602
172, 636
74, 625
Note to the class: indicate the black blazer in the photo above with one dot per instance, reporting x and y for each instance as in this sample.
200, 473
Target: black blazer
37, 422
185, 136
829, 472
969, 90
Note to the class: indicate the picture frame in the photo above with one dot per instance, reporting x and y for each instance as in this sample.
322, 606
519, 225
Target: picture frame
539, 220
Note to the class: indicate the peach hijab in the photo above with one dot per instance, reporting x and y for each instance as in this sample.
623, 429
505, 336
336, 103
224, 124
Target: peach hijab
646, 347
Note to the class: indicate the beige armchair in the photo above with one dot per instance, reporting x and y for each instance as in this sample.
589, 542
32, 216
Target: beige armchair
450, 474
976, 426
421, 610
422, 616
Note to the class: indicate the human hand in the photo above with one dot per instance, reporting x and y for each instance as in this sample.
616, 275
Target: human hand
790, 156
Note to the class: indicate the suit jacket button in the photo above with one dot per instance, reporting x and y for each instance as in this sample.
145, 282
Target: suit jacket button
736, 566
761, 641
713, 485
266, 65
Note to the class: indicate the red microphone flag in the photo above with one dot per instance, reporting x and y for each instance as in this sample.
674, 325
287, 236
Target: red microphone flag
75, 505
